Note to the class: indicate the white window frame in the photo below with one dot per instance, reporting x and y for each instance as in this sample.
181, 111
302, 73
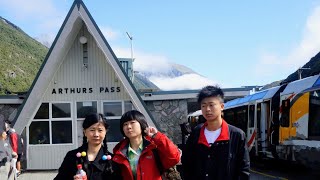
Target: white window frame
50, 120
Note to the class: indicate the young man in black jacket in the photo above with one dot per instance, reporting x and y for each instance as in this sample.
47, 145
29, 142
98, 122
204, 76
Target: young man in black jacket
215, 150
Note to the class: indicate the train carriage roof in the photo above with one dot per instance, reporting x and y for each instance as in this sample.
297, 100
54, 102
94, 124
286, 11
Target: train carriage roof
301, 85
271, 92
315, 86
258, 96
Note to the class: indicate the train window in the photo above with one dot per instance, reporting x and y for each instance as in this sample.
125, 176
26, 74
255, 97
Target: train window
259, 118
251, 116
241, 118
284, 120
314, 116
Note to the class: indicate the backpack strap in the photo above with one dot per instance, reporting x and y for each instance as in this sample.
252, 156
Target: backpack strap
158, 162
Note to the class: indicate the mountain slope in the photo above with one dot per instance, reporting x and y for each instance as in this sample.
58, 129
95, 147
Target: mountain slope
313, 64
20, 58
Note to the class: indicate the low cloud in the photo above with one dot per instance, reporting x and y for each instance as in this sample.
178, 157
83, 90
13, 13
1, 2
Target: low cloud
109, 33
45, 39
184, 82
272, 64
146, 62
159, 65
23, 9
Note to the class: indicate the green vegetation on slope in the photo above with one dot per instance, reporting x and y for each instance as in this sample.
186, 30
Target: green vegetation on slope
20, 58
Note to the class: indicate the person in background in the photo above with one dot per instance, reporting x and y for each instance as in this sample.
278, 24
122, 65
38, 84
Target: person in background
136, 153
215, 150
6, 155
93, 155
16, 144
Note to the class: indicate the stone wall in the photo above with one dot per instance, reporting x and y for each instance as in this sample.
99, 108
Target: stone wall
169, 114
8, 111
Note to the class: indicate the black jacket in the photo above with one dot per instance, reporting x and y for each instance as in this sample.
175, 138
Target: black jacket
95, 170
225, 159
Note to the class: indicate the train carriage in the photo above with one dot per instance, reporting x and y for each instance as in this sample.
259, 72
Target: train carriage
255, 115
299, 131
281, 122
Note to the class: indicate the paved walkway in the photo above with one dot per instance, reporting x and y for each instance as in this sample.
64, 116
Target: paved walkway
49, 175
38, 175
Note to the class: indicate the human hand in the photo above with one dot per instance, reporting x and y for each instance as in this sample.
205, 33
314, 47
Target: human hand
150, 131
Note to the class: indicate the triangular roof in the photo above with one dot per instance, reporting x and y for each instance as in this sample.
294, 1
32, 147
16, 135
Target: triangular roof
77, 15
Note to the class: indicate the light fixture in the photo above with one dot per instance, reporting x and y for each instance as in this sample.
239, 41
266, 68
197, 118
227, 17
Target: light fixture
83, 40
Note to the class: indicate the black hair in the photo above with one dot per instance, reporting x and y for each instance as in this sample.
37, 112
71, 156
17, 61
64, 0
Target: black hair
134, 115
210, 91
89, 121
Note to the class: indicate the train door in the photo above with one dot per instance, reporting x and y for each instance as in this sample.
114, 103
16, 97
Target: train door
263, 125
251, 132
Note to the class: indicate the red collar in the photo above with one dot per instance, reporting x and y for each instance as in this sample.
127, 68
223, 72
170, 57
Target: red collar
224, 135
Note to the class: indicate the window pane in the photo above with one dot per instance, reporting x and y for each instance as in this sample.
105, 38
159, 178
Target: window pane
61, 132
43, 111
251, 116
61, 110
85, 108
127, 106
314, 116
39, 132
284, 119
112, 109
114, 134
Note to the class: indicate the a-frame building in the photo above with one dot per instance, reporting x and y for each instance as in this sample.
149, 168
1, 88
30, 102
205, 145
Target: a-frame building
80, 74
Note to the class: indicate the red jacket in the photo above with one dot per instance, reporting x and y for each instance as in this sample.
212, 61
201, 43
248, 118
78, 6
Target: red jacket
13, 140
147, 168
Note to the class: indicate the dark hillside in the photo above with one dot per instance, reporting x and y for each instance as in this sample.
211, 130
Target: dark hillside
313, 64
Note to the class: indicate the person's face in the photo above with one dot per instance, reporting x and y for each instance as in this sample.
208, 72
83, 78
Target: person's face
211, 108
132, 129
4, 135
95, 133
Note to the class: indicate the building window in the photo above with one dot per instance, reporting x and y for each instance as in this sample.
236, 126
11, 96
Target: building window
61, 110
113, 110
52, 124
86, 108
61, 132
83, 109
43, 112
128, 106
39, 132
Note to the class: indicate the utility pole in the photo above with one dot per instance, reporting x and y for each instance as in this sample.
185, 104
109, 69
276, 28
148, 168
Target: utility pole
131, 38
300, 71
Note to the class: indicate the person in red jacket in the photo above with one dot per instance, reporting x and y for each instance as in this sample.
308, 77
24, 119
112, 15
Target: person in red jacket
16, 144
136, 153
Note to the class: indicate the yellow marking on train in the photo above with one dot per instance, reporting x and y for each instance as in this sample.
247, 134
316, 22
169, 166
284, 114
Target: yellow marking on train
268, 175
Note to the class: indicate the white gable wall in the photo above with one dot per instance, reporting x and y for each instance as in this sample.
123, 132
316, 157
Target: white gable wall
98, 76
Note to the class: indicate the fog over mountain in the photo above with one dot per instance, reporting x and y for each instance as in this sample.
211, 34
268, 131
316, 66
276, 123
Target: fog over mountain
175, 77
